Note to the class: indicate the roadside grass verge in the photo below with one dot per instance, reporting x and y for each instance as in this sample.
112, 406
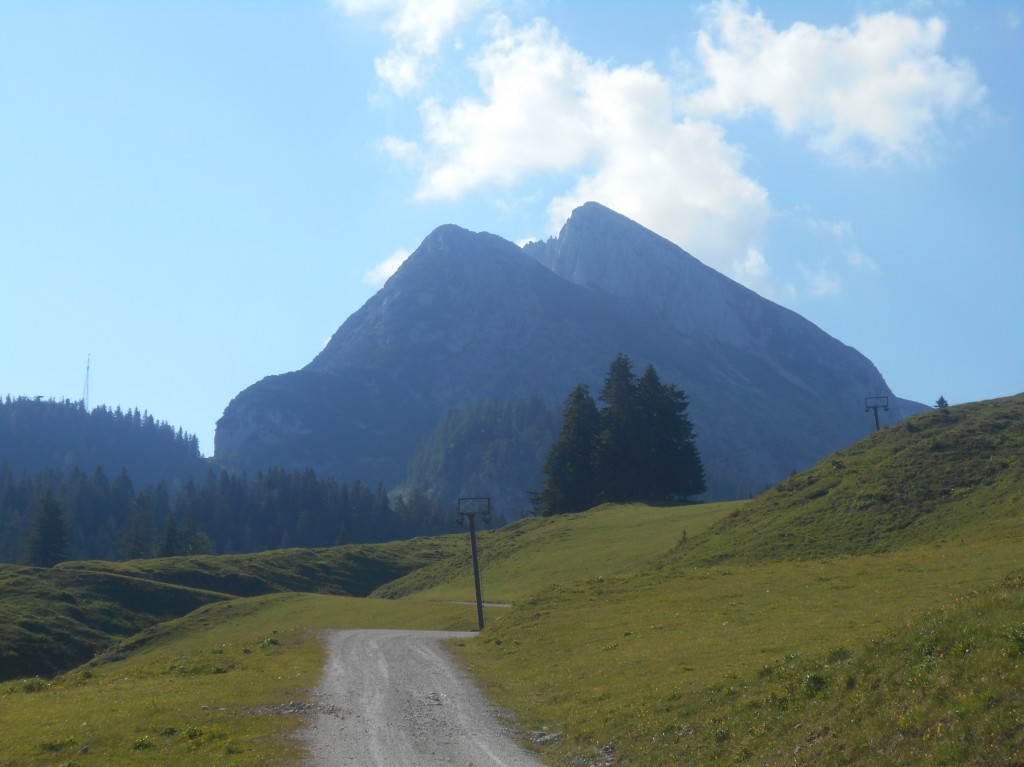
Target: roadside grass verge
675, 665
223, 686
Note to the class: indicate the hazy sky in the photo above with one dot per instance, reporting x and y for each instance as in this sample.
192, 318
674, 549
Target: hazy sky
197, 194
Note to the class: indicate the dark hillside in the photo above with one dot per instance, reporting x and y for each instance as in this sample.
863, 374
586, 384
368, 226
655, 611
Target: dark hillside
38, 434
343, 570
52, 620
928, 479
488, 448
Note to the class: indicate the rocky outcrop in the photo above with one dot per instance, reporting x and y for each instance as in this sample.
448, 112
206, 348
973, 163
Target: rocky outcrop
473, 317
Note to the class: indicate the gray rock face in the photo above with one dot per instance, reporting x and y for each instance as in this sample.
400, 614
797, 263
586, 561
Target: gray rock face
473, 317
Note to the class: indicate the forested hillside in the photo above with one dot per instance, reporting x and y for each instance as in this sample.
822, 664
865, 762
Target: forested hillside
488, 448
129, 487
106, 518
40, 434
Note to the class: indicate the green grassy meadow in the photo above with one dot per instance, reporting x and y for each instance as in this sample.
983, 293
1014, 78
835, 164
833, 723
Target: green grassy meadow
869, 611
216, 687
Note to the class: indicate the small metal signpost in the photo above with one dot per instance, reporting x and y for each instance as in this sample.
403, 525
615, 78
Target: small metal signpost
481, 506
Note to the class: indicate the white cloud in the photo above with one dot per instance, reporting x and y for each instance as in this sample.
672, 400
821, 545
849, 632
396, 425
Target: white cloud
683, 181
821, 282
875, 90
417, 28
533, 116
837, 229
843, 241
858, 260
547, 108
382, 271
404, 151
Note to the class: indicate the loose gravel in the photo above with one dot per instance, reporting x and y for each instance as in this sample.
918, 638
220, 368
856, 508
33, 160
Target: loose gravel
396, 699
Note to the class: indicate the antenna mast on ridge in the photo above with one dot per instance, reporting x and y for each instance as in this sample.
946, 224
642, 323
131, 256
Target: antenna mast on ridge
85, 389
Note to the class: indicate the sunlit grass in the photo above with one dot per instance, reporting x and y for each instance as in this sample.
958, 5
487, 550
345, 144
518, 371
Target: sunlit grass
210, 689
521, 559
645, 649
865, 612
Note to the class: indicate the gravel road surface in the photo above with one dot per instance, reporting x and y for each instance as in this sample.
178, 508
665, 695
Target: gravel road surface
396, 699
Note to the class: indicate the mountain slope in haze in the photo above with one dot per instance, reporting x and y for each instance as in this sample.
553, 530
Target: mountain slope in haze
473, 318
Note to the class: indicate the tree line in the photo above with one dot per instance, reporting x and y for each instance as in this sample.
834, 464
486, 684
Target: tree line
639, 447
38, 434
52, 516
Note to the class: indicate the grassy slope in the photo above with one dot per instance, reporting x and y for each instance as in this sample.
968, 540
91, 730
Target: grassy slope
732, 648
522, 558
934, 477
216, 687
353, 570
53, 620
243, 657
737, 648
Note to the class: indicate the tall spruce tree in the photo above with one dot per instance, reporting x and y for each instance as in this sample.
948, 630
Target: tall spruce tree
170, 539
571, 470
639, 447
621, 436
47, 541
671, 467
137, 541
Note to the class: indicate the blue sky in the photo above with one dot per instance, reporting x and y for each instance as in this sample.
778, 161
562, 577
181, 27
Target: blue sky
197, 194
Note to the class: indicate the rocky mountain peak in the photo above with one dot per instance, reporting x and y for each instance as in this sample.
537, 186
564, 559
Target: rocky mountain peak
606, 251
471, 317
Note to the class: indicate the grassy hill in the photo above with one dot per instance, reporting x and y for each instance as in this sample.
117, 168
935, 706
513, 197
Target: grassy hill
868, 611
52, 620
940, 476
518, 560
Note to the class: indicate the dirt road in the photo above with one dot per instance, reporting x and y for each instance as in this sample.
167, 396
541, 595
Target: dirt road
395, 699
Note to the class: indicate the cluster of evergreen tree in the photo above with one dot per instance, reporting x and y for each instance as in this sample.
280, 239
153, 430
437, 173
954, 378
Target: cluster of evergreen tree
50, 516
487, 448
38, 434
639, 447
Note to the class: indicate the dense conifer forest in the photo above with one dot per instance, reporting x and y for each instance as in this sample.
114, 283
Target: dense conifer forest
38, 434
105, 518
56, 494
488, 448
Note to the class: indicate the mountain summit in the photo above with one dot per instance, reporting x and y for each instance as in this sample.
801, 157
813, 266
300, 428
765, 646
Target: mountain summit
471, 318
